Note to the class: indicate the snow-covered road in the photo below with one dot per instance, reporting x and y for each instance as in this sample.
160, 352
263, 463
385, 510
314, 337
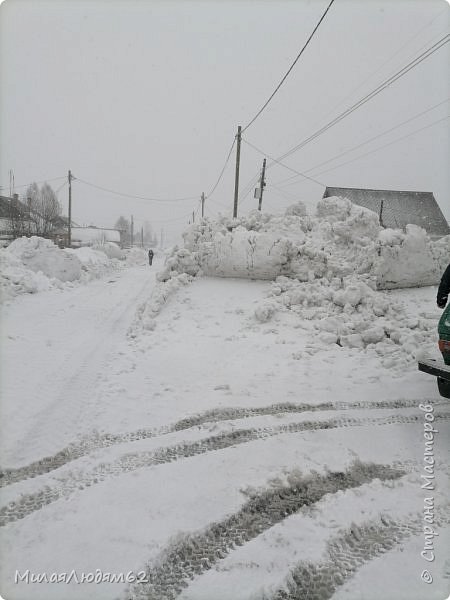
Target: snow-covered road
55, 349
224, 457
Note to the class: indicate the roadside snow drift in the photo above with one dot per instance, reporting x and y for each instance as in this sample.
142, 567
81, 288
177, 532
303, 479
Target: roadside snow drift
340, 240
35, 264
39, 254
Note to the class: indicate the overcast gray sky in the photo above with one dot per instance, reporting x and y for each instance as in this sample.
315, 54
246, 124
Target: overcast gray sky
144, 97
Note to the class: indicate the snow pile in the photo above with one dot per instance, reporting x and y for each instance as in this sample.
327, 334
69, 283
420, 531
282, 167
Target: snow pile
94, 263
30, 265
408, 258
16, 279
349, 313
111, 250
342, 239
179, 260
39, 254
146, 313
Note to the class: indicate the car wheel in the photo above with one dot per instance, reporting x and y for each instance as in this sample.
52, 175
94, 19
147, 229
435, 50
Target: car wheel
443, 387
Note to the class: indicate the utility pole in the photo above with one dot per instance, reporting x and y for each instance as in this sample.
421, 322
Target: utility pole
69, 225
203, 204
162, 237
262, 184
193, 216
132, 231
236, 180
142, 236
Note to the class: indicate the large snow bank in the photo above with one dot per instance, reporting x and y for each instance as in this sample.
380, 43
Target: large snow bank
340, 240
34, 264
39, 254
16, 279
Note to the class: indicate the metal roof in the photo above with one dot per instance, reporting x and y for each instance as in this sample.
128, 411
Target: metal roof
399, 208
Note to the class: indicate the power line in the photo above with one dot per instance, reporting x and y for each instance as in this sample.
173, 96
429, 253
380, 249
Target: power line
383, 146
413, 37
61, 187
3, 187
413, 118
133, 196
209, 194
371, 95
289, 70
278, 162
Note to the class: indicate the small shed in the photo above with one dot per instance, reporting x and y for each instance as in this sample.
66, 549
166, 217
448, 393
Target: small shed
396, 209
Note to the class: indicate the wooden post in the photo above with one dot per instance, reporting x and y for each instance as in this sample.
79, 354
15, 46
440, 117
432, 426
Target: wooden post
262, 184
203, 204
69, 224
236, 179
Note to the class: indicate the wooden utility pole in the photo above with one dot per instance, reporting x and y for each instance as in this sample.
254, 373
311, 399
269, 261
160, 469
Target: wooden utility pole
69, 225
132, 231
236, 180
193, 216
142, 236
262, 184
203, 204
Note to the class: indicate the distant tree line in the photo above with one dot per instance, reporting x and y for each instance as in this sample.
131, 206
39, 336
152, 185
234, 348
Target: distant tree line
150, 238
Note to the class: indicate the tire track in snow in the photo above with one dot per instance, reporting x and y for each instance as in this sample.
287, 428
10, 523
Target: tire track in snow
29, 503
346, 553
197, 553
94, 442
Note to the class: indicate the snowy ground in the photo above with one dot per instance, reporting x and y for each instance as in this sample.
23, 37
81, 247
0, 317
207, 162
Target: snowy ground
224, 457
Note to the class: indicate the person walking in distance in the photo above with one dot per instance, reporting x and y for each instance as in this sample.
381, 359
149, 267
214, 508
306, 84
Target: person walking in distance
150, 257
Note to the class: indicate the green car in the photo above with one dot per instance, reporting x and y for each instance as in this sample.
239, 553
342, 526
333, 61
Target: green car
444, 334
441, 369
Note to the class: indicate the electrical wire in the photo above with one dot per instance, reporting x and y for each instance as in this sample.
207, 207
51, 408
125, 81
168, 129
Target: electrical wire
61, 187
4, 187
419, 59
378, 69
210, 193
289, 70
131, 195
413, 118
382, 147
278, 162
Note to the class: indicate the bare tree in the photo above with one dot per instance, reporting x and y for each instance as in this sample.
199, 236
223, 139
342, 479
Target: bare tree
124, 226
44, 209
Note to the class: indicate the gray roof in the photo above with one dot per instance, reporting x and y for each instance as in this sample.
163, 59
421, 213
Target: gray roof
399, 207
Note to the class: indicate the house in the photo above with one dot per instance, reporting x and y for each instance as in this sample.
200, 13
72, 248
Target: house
396, 209
14, 218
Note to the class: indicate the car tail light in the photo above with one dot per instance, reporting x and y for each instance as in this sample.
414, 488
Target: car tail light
444, 345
